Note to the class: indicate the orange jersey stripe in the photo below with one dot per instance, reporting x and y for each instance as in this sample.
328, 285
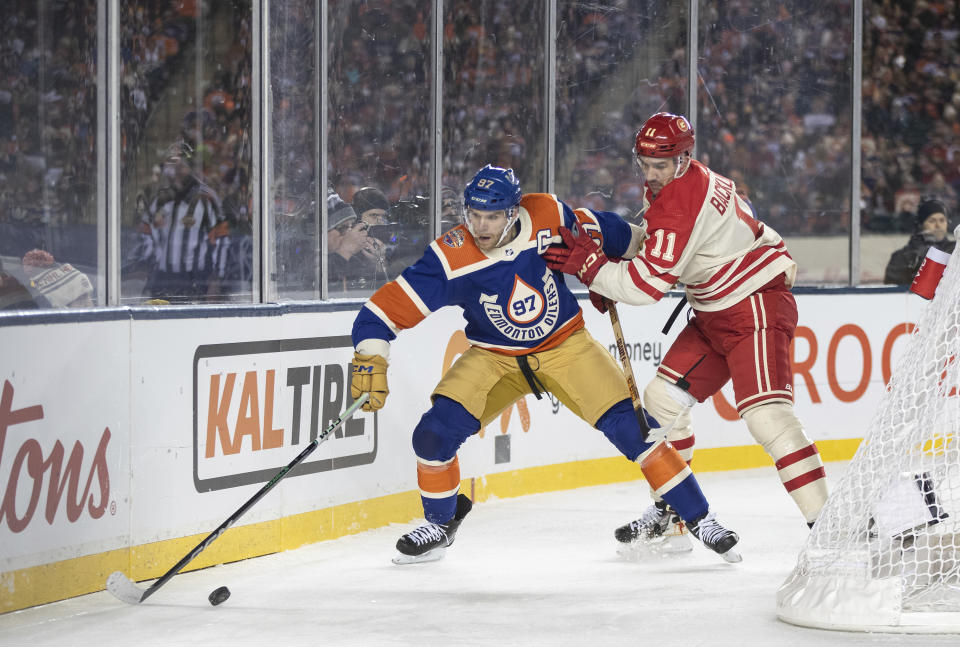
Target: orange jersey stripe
553, 341
396, 304
439, 478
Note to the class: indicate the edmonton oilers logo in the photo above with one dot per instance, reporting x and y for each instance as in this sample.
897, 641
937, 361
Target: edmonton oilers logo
530, 314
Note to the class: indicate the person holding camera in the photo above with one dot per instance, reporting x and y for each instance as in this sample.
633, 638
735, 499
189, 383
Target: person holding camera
357, 260
932, 230
371, 206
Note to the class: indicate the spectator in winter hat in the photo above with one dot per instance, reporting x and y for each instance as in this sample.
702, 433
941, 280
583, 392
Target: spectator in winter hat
932, 230
339, 213
371, 205
351, 248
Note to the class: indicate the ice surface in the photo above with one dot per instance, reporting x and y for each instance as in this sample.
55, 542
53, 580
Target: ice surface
536, 570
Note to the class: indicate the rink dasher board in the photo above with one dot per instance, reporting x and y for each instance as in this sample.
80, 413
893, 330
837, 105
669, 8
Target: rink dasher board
127, 407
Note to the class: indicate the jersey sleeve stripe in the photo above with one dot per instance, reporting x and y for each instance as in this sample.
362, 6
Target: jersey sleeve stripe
586, 215
658, 272
642, 283
393, 305
412, 294
382, 316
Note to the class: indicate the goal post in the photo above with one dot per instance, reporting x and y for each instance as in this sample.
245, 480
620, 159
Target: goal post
884, 554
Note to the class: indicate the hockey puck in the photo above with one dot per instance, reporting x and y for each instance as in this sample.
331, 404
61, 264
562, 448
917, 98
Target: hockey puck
219, 596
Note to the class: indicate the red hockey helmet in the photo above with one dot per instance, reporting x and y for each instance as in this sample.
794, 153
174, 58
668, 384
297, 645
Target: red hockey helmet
664, 135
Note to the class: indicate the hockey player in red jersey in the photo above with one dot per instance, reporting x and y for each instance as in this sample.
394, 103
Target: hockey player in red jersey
737, 274
527, 335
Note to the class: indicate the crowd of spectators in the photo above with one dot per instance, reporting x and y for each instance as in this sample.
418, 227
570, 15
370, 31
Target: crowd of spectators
48, 125
773, 113
153, 37
775, 107
911, 101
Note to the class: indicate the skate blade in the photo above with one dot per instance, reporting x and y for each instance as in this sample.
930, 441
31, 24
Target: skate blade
731, 557
429, 556
678, 544
659, 548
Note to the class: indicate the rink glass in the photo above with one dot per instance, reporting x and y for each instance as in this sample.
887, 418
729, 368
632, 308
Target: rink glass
616, 66
185, 110
50, 80
520, 82
773, 114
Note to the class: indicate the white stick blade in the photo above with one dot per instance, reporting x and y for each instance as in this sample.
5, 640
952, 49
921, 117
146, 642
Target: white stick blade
123, 589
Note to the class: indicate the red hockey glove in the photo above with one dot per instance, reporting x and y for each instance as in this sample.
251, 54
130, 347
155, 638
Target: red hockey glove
599, 302
581, 256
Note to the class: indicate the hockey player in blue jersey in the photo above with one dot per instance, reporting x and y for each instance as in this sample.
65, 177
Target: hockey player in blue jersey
527, 335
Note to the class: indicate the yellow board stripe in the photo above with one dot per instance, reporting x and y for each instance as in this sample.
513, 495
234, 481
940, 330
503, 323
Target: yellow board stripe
68, 578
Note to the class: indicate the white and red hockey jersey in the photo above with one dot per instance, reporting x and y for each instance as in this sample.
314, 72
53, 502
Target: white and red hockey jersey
699, 232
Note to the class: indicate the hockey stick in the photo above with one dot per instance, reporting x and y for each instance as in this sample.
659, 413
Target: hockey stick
124, 589
627, 366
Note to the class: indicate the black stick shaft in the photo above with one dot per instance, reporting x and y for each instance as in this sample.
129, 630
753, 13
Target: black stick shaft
199, 548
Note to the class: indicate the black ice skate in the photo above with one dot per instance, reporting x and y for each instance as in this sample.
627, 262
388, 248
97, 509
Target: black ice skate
428, 543
715, 537
659, 530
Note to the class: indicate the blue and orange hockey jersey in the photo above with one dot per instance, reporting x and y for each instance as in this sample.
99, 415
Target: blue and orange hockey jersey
512, 302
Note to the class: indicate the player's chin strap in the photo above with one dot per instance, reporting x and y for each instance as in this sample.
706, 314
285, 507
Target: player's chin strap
513, 214
683, 164
535, 384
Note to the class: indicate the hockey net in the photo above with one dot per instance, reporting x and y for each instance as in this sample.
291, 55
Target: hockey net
884, 554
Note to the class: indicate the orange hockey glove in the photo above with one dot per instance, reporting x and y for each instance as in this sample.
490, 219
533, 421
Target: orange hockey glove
369, 376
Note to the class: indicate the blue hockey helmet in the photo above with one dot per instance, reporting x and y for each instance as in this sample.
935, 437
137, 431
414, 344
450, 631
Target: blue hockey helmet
492, 189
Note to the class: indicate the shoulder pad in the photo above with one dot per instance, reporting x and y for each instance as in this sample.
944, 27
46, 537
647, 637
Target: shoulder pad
458, 249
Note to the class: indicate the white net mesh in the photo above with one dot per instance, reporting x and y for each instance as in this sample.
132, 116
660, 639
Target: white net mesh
885, 552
